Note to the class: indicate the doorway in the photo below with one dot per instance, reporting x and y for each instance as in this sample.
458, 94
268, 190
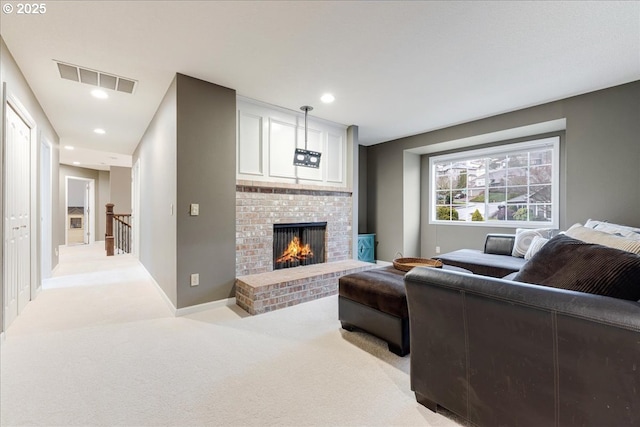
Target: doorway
80, 212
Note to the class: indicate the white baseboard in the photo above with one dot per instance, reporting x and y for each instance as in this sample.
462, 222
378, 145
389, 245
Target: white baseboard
192, 309
206, 306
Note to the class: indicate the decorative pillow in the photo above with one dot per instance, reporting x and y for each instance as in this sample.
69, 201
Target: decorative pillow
589, 235
617, 229
524, 237
536, 244
567, 263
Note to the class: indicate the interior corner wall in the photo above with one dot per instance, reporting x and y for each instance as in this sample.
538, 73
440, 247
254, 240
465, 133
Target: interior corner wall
120, 189
156, 153
599, 176
206, 175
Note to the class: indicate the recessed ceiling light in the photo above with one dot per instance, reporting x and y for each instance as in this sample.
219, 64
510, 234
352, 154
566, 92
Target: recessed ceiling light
99, 93
68, 147
76, 163
100, 131
327, 98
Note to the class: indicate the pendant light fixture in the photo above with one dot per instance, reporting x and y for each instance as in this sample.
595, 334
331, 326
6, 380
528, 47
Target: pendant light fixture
306, 158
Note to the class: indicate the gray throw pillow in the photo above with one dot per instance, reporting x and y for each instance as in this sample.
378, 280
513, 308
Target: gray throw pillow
574, 265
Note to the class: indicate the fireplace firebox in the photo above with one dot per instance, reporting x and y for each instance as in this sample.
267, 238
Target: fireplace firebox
298, 244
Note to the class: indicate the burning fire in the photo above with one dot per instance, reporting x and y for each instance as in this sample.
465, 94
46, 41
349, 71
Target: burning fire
296, 252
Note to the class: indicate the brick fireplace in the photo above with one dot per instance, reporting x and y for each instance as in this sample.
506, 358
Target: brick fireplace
260, 205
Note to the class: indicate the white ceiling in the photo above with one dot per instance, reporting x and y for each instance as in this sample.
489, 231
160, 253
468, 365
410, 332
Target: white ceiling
396, 68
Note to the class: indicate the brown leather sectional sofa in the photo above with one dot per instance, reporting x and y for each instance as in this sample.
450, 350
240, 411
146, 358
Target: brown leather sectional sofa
505, 353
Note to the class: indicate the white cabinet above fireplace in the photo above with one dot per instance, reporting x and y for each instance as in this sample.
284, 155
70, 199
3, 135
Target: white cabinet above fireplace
267, 137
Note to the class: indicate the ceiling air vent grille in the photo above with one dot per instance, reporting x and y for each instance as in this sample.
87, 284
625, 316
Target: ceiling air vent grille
96, 78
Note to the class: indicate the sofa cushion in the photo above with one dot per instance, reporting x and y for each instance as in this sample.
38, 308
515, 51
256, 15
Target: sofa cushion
480, 263
574, 265
524, 237
536, 244
590, 235
611, 228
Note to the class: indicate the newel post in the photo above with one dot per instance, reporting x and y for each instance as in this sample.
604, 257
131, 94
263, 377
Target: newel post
108, 238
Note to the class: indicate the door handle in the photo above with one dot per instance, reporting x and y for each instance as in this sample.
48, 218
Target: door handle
24, 226
16, 228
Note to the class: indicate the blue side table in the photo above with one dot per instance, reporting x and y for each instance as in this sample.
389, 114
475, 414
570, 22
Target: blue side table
366, 247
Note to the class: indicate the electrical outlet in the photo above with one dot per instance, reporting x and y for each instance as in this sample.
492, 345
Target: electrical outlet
437, 249
195, 209
195, 279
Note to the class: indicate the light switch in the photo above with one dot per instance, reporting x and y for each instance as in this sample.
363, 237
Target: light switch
195, 209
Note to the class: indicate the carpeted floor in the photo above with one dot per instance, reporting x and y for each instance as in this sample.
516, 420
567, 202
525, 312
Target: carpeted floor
98, 346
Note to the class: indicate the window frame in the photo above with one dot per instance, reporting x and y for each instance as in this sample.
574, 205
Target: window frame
552, 142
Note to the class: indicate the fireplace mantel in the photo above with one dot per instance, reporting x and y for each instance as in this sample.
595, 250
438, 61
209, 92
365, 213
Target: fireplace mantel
246, 185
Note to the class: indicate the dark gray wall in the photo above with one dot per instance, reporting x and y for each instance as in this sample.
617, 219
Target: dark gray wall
206, 166
600, 154
13, 81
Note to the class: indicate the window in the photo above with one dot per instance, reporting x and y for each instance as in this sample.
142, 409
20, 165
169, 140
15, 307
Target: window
513, 185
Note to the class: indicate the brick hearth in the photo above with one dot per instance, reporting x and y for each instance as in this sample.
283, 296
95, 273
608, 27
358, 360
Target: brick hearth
260, 293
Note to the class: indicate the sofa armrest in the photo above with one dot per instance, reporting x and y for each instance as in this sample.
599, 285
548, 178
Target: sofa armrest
500, 352
499, 244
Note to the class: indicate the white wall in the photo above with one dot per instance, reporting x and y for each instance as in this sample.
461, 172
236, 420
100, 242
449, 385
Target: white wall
268, 136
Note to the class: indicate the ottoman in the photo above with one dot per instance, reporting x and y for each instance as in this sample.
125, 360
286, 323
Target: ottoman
375, 302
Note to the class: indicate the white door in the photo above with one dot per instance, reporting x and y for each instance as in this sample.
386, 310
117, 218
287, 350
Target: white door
17, 249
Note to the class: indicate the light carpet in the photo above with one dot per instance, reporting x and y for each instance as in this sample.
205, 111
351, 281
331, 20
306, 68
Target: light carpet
99, 346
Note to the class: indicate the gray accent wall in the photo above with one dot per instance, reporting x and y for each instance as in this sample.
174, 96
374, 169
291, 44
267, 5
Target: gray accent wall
13, 82
599, 179
206, 162
188, 155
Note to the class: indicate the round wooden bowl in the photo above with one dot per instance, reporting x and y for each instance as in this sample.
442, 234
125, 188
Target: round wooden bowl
406, 264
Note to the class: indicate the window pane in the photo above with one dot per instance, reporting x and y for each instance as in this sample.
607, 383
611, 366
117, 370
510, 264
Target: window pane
517, 194
443, 182
544, 157
518, 212
499, 162
540, 194
541, 174
517, 176
497, 211
444, 197
541, 213
497, 195
518, 160
446, 213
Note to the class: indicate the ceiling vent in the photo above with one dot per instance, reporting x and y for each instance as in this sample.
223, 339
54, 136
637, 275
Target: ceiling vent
96, 78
